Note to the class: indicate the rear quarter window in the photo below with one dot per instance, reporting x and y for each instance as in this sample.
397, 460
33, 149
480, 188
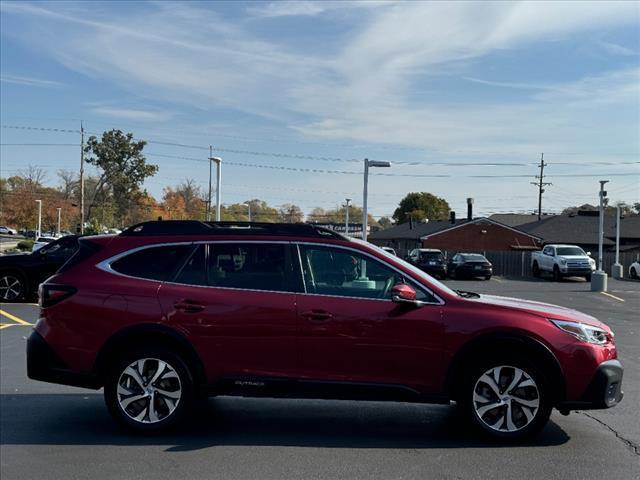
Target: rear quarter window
153, 263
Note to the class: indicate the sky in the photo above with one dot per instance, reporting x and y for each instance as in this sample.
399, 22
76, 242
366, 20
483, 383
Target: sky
461, 97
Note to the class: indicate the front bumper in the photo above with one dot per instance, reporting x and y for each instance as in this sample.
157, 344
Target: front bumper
571, 271
604, 391
44, 365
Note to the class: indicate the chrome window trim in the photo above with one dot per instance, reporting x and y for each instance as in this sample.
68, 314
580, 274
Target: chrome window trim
105, 265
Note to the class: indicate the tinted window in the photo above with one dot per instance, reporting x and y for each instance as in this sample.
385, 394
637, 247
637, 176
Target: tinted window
61, 249
155, 263
475, 258
194, 271
329, 271
250, 266
570, 251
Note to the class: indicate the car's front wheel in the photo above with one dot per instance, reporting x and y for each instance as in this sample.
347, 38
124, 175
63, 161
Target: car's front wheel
13, 286
149, 390
506, 399
633, 273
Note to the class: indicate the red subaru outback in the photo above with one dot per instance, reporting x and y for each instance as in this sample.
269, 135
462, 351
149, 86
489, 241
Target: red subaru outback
169, 311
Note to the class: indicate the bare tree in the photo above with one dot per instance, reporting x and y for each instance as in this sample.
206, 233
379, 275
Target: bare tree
68, 182
33, 176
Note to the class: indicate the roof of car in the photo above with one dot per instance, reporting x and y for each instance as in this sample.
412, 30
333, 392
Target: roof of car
196, 227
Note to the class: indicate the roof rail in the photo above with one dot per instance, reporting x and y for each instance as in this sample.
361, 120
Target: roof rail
196, 227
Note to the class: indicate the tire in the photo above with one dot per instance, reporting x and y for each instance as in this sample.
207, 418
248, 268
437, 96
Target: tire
128, 378
536, 270
557, 276
496, 413
633, 273
488, 277
587, 277
13, 286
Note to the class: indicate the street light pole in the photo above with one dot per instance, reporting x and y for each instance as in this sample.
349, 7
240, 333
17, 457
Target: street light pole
346, 221
210, 174
365, 219
218, 161
59, 216
599, 277
39, 231
616, 269
249, 208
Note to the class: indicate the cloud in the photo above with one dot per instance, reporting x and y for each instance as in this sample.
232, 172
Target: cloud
286, 9
615, 49
131, 114
29, 81
360, 88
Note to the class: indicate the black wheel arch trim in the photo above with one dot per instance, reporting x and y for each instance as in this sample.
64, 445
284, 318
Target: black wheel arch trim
456, 368
153, 335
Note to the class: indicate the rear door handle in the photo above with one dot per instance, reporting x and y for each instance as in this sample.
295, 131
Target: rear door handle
317, 315
188, 306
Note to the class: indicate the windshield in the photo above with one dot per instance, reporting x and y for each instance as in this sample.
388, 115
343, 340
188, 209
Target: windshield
430, 256
570, 251
474, 258
428, 279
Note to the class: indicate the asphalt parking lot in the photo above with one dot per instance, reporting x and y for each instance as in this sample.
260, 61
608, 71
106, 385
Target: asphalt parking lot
50, 431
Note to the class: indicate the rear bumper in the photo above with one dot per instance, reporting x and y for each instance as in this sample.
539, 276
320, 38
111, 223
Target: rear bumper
604, 391
44, 365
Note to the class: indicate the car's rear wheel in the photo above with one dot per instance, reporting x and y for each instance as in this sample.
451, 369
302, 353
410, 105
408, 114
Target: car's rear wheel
13, 286
149, 390
536, 270
506, 399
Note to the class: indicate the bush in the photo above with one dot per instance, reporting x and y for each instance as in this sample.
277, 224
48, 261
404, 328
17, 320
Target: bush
25, 245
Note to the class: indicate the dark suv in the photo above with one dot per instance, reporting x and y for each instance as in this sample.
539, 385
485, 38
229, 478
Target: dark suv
167, 312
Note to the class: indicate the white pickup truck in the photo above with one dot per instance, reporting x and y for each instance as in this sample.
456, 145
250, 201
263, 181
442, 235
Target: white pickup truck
563, 261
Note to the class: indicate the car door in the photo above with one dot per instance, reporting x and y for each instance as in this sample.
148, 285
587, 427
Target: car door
236, 303
351, 331
547, 258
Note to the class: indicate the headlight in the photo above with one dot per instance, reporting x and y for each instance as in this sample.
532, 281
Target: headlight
592, 261
563, 261
586, 333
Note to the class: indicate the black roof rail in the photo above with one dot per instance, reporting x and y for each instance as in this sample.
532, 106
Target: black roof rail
197, 227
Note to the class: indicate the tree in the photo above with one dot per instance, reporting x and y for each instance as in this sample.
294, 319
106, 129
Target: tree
420, 206
68, 183
124, 169
385, 222
291, 213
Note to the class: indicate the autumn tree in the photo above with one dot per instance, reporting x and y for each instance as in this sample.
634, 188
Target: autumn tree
420, 206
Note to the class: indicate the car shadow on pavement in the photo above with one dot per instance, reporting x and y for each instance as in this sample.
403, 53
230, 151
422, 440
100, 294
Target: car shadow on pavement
82, 419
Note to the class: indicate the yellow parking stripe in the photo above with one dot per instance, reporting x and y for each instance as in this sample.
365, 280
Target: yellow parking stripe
14, 318
5, 325
613, 296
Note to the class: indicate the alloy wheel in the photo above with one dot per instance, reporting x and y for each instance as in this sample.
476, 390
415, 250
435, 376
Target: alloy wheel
10, 288
149, 390
506, 398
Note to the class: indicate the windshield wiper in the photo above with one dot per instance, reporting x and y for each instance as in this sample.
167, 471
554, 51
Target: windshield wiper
465, 294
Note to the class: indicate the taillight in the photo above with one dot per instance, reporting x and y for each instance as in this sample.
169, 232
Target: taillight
51, 293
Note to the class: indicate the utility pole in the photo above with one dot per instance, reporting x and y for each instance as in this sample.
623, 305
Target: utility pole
39, 231
59, 217
346, 221
540, 184
616, 269
210, 175
81, 178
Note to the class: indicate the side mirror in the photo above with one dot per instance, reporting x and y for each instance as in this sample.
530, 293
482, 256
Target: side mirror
405, 294
588, 254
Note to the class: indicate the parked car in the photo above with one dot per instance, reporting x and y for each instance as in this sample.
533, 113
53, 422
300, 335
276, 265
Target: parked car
429, 260
389, 249
41, 242
469, 265
20, 275
563, 261
634, 270
169, 311
8, 231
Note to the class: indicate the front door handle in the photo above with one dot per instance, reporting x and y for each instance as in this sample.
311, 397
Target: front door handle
317, 315
188, 306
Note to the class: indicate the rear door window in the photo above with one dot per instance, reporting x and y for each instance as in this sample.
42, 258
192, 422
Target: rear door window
251, 266
154, 263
